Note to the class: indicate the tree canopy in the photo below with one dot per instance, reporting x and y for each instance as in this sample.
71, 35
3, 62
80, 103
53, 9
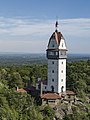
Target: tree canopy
19, 106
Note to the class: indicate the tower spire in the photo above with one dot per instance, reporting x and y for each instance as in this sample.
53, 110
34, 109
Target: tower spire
56, 26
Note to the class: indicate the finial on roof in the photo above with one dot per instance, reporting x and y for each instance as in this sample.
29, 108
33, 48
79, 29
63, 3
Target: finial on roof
56, 26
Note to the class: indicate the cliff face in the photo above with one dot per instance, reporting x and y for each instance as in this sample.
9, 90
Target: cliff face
68, 110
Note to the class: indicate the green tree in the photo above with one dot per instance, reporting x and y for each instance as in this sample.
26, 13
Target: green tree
49, 112
46, 118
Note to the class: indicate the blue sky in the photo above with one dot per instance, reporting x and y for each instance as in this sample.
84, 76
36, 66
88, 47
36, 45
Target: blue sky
26, 25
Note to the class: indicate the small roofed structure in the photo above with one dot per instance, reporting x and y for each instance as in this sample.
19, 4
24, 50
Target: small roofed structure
54, 98
69, 97
44, 85
50, 98
68, 92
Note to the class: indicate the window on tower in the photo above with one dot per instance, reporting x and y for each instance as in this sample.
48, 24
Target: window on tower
62, 62
62, 88
61, 71
45, 87
65, 53
51, 53
61, 53
52, 88
52, 71
53, 45
61, 80
52, 62
56, 53
52, 80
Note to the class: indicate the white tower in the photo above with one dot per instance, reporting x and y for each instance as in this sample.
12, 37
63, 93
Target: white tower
56, 54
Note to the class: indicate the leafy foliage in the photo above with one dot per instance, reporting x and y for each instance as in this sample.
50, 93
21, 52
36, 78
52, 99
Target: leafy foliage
78, 77
19, 106
49, 112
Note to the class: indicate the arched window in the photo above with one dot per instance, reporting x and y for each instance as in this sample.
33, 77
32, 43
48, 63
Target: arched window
62, 88
52, 71
52, 80
52, 45
52, 62
52, 88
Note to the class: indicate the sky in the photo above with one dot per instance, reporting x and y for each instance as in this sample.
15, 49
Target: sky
26, 25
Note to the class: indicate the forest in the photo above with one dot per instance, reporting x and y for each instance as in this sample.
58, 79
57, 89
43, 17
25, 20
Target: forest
22, 106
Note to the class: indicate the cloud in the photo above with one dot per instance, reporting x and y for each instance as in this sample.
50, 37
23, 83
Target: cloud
20, 34
76, 27
15, 26
22, 26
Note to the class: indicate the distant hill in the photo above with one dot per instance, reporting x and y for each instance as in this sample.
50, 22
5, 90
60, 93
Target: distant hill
28, 59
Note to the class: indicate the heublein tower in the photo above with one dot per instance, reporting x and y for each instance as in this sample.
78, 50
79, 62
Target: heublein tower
56, 55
